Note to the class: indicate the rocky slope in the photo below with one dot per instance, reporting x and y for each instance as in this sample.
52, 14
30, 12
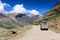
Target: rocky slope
8, 22
26, 19
52, 17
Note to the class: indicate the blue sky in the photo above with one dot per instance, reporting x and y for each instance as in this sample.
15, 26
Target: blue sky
40, 5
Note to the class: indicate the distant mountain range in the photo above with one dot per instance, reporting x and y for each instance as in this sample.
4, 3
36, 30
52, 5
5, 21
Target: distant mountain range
19, 20
9, 22
26, 19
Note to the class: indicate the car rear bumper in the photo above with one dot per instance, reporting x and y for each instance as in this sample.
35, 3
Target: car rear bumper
44, 28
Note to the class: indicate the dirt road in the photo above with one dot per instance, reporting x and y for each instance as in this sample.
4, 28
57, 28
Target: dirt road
36, 34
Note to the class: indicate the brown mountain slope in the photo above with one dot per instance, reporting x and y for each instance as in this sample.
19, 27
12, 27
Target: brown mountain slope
52, 17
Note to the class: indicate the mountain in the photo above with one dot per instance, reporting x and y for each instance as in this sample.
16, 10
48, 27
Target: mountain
20, 15
1, 15
52, 17
9, 22
26, 19
55, 10
16, 20
53, 13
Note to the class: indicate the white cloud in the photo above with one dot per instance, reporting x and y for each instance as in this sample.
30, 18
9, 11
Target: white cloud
33, 12
2, 5
19, 9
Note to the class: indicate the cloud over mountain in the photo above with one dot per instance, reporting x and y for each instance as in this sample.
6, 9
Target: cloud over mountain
19, 9
34, 12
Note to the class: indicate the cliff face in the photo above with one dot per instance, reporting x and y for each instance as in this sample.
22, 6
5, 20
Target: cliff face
55, 10
54, 13
53, 17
